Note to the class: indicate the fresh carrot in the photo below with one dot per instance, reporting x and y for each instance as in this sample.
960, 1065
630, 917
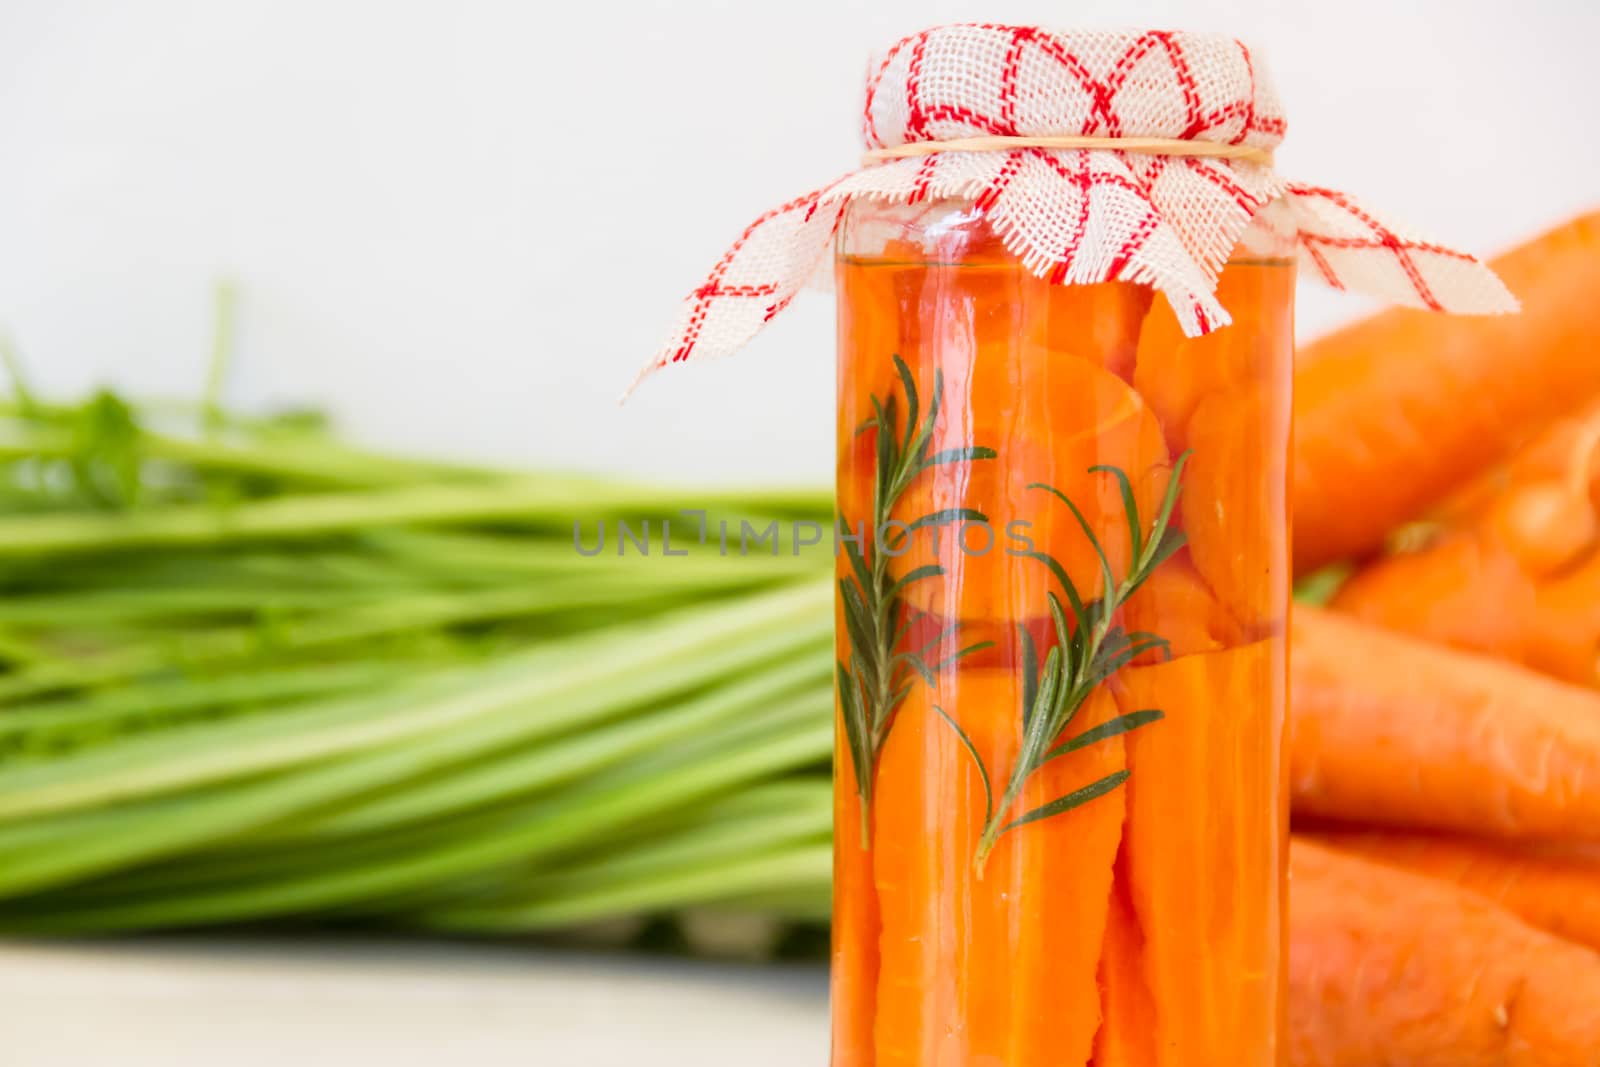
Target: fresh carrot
1400, 732
1553, 887
1204, 876
1389, 967
1546, 527
1565, 450
1468, 590
1396, 412
998, 965
1514, 568
1461, 590
1566, 637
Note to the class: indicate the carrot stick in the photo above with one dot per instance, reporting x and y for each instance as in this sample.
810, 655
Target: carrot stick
997, 968
1395, 412
1127, 1036
1554, 888
1389, 967
926, 807
854, 970
1204, 876
1235, 505
1395, 731
1040, 908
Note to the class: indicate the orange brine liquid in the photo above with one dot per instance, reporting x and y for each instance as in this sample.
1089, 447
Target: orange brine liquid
1141, 924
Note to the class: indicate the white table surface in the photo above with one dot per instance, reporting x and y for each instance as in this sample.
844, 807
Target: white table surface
300, 1003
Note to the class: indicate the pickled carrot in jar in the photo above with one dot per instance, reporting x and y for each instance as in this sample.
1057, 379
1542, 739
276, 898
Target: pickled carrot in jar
1051, 424
854, 964
1100, 323
1175, 373
1062, 655
1238, 478
1202, 876
956, 983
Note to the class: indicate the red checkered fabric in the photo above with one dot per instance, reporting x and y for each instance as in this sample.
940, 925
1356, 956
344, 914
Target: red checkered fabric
1081, 215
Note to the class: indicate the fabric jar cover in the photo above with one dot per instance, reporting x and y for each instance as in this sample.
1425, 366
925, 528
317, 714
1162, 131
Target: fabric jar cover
1081, 215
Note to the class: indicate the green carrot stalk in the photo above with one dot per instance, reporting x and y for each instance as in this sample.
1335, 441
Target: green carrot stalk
313, 515
761, 820
800, 680
394, 615
724, 879
54, 851
111, 713
450, 553
96, 606
371, 876
578, 679
231, 851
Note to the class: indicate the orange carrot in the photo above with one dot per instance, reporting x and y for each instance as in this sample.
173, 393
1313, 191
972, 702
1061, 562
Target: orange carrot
1127, 1036
1553, 887
853, 976
1176, 603
1515, 572
1394, 413
1400, 732
1041, 906
1094, 322
1567, 448
1235, 505
1546, 527
1074, 415
998, 967
1204, 874
1467, 590
1175, 373
926, 808
1566, 640
1462, 590
1389, 967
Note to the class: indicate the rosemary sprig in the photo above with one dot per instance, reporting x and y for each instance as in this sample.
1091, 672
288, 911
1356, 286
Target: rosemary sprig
1087, 650
881, 671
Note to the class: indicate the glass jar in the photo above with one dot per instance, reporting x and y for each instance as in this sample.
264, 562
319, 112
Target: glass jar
1063, 592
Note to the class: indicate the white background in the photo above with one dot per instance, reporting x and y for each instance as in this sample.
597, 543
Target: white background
462, 226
